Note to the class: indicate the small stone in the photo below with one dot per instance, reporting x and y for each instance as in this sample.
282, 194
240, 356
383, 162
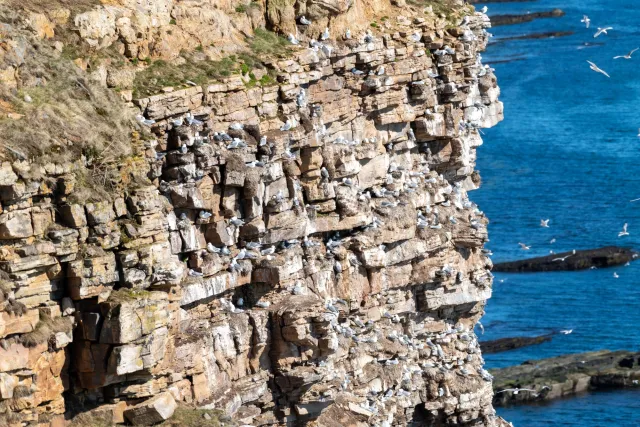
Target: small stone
206, 416
27, 98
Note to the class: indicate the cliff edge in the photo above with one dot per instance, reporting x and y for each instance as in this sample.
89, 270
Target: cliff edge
287, 239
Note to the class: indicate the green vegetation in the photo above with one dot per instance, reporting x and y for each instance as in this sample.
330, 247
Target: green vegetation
75, 6
241, 8
448, 8
190, 417
200, 71
266, 43
374, 24
162, 73
127, 294
91, 419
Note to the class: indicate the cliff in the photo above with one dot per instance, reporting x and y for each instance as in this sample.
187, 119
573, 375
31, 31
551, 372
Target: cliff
291, 244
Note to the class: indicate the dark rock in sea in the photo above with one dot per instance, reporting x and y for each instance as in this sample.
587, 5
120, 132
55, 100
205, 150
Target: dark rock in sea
546, 35
497, 20
506, 344
499, 1
565, 375
608, 256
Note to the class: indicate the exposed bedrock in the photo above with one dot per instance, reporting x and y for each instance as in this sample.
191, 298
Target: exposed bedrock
506, 344
306, 253
546, 379
498, 20
608, 256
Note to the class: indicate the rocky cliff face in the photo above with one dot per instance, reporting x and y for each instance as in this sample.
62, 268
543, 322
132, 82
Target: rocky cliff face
304, 252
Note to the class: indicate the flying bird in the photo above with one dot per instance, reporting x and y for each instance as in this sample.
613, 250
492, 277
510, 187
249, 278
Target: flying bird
484, 9
595, 68
627, 56
544, 223
524, 247
566, 331
624, 231
615, 275
562, 259
602, 31
586, 20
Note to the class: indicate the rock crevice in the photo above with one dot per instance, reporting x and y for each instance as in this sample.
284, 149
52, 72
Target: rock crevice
307, 252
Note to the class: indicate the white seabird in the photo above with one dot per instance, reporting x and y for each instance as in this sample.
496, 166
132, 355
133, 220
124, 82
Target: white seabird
627, 56
624, 231
602, 31
595, 68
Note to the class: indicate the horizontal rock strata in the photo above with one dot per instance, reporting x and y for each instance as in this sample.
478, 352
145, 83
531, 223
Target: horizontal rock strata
609, 256
307, 250
566, 375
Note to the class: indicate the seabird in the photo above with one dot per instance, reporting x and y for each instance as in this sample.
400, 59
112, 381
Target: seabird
236, 221
325, 35
194, 273
304, 21
544, 223
524, 247
595, 68
586, 20
292, 39
627, 56
562, 259
268, 251
347, 35
615, 275
515, 390
484, 9
624, 231
601, 31
287, 126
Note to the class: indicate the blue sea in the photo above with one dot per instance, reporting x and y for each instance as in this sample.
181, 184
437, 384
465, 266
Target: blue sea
567, 151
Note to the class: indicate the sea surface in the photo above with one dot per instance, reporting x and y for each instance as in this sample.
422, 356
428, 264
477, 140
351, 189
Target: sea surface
568, 150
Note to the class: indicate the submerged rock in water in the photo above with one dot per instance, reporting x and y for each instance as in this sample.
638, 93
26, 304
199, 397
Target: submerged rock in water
608, 256
561, 376
506, 344
498, 20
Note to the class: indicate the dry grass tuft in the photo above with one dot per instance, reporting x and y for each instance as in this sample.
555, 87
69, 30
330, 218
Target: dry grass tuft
45, 329
91, 419
190, 417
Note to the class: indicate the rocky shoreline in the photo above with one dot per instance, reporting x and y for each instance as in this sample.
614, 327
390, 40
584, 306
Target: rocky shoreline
506, 344
556, 377
511, 19
608, 256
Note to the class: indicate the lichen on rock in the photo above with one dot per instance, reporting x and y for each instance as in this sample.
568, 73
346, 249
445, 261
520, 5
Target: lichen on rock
293, 251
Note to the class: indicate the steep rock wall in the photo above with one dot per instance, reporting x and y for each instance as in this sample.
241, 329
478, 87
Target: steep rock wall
307, 252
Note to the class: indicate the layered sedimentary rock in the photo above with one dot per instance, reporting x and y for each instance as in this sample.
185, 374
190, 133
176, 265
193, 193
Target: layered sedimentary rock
306, 252
563, 376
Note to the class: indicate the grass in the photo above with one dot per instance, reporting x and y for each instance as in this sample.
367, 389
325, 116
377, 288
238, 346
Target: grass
161, 74
45, 329
448, 8
75, 6
268, 44
190, 417
90, 419
200, 71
